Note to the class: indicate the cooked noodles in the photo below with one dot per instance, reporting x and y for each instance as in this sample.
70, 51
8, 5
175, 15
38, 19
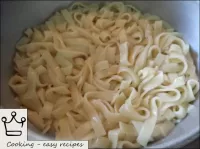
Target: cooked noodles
108, 74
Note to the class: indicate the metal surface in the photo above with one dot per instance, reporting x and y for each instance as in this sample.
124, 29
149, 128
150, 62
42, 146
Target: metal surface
18, 15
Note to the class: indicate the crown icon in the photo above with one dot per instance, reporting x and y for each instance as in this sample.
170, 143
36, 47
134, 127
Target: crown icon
10, 130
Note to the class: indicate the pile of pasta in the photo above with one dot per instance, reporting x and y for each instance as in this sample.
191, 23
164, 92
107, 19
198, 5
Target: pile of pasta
104, 73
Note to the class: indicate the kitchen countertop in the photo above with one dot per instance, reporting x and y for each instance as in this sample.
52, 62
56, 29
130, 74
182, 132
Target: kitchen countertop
194, 144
